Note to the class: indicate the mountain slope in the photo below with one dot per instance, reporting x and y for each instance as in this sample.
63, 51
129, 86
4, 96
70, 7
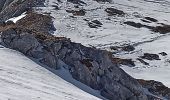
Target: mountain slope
23, 79
115, 33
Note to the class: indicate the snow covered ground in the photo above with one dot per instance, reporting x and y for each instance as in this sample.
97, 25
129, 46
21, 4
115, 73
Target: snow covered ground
114, 33
23, 79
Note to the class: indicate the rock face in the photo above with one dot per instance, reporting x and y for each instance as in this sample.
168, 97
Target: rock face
156, 88
13, 8
93, 67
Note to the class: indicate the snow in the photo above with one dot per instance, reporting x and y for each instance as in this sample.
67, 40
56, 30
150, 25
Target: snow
158, 70
114, 33
15, 19
23, 79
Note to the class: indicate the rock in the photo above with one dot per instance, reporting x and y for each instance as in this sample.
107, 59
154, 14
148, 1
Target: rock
2, 2
94, 24
150, 56
144, 20
142, 61
127, 62
76, 1
156, 88
104, 1
93, 67
151, 19
137, 25
2, 23
113, 11
10, 23
80, 12
128, 48
163, 53
162, 29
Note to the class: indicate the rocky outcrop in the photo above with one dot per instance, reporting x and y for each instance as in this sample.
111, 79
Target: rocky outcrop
150, 56
96, 68
13, 8
93, 67
160, 91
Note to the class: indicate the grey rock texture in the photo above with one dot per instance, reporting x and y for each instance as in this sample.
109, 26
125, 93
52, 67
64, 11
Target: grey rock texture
93, 67
13, 8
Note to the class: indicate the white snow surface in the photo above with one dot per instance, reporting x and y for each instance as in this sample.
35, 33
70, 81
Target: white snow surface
114, 33
23, 79
15, 19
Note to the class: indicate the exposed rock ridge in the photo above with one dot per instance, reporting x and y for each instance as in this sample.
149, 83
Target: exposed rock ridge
90, 66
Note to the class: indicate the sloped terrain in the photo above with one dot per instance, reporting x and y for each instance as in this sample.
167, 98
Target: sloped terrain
136, 23
135, 34
23, 79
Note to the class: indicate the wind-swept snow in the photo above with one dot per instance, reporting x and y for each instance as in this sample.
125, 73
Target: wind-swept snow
23, 79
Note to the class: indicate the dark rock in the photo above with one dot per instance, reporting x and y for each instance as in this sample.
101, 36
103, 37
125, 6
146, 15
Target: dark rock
128, 48
97, 22
162, 29
127, 62
2, 23
76, 1
156, 88
163, 53
137, 25
94, 24
9, 23
81, 12
142, 61
113, 11
145, 21
104, 1
151, 19
150, 56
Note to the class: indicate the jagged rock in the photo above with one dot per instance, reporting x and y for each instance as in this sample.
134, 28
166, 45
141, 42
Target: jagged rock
150, 56
156, 88
93, 67
113, 11
127, 62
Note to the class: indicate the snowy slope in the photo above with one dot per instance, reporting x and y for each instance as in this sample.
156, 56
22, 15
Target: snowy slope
23, 79
114, 33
